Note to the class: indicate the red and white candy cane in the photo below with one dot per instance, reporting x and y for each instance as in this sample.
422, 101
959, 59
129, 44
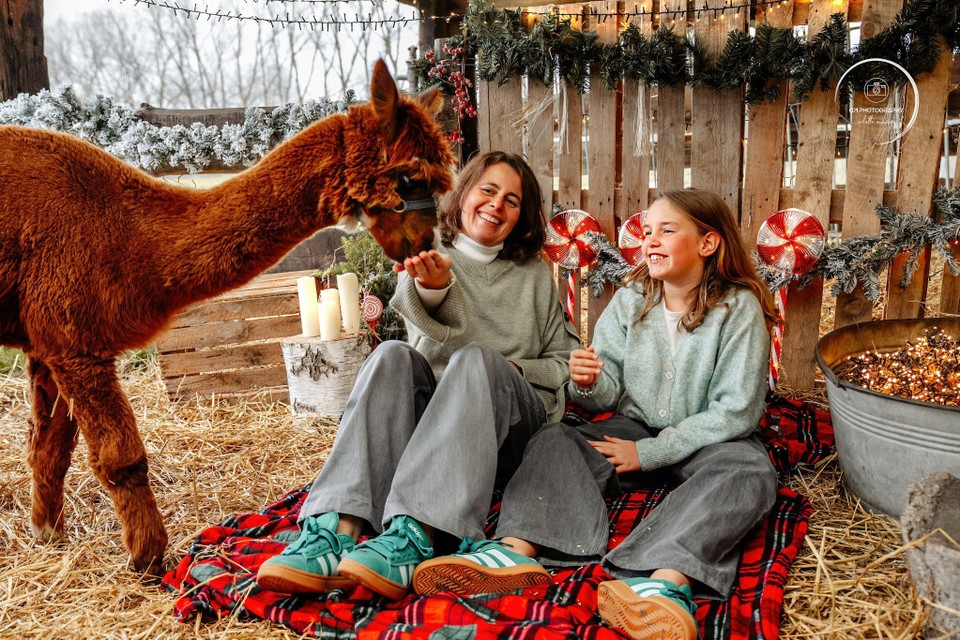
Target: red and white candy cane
569, 245
791, 241
631, 236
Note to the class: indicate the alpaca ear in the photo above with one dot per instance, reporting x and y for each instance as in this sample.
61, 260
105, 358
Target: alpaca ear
432, 101
384, 98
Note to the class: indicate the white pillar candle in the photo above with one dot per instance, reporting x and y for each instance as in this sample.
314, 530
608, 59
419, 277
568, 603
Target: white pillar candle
329, 319
349, 286
307, 294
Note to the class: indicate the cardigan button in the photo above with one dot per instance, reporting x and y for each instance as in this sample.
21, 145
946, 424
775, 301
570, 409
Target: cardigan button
669, 375
662, 413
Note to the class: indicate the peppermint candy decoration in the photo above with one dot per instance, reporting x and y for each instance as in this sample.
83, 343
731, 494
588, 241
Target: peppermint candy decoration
791, 240
631, 236
372, 310
567, 241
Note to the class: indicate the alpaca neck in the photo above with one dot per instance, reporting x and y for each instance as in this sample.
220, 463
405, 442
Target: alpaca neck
248, 223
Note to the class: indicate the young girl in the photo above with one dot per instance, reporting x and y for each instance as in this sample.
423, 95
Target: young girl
681, 354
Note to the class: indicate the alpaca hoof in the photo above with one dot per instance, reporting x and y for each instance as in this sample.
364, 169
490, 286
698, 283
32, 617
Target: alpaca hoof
151, 567
46, 532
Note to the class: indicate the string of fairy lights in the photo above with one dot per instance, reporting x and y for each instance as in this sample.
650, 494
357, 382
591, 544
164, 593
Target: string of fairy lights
285, 19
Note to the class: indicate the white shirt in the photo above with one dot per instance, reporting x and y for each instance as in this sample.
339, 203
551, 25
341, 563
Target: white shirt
673, 327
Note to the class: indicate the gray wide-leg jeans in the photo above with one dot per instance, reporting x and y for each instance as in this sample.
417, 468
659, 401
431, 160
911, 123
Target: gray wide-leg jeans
556, 500
408, 444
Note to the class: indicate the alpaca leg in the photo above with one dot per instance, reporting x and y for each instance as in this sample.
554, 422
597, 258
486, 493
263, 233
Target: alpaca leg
117, 455
53, 436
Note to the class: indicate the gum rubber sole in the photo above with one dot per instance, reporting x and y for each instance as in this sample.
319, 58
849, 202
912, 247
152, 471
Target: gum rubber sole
372, 580
464, 577
654, 618
275, 577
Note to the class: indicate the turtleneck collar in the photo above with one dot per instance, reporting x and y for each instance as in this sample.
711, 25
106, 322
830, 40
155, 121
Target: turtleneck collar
476, 251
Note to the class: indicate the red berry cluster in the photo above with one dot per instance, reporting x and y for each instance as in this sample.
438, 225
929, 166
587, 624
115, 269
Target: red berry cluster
447, 72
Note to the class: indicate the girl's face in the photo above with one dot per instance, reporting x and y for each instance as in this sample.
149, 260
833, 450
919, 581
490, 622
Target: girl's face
491, 207
673, 247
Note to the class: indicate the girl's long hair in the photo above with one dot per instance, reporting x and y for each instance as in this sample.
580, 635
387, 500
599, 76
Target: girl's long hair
526, 240
729, 266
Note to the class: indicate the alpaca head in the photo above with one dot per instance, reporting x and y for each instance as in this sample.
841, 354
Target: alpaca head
395, 181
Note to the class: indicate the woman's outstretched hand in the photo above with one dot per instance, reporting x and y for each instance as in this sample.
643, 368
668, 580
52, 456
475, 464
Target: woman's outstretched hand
622, 454
585, 366
430, 268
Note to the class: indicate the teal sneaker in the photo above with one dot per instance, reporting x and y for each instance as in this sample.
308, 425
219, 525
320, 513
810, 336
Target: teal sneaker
309, 564
385, 564
648, 608
487, 566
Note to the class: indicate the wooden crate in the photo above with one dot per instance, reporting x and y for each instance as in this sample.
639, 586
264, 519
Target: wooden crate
228, 347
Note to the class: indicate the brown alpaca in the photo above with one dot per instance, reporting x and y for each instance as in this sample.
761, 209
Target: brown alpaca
96, 257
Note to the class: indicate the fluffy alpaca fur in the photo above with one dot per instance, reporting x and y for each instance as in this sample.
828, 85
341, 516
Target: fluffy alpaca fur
96, 257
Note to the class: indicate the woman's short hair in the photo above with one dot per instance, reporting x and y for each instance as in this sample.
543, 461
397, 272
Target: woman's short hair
526, 240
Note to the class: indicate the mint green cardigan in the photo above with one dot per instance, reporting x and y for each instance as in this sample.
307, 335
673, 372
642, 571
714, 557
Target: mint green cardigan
508, 306
711, 391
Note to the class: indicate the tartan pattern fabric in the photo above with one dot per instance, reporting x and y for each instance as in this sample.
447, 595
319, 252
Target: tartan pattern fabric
217, 576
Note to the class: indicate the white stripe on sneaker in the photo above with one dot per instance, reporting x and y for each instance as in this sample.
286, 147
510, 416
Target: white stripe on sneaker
481, 559
505, 561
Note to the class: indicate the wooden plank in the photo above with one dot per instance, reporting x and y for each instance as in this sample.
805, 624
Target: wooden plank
570, 193
241, 380
506, 110
814, 185
789, 198
485, 90
223, 333
602, 164
866, 166
764, 150
717, 118
539, 108
671, 112
950, 284
175, 365
272, 305
918, 169
636, 141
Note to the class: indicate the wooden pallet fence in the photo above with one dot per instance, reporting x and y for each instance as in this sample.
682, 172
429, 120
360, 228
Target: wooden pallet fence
716, 141
228, 347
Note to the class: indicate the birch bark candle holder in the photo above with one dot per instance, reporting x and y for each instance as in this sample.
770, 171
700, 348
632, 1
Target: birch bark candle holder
321, 373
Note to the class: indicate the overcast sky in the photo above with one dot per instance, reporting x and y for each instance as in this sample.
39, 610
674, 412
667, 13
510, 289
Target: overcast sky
53, 9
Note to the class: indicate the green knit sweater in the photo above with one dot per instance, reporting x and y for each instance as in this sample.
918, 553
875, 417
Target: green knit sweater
508, 306
711, 391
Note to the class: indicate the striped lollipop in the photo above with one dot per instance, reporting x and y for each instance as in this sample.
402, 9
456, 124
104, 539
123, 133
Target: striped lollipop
631, 236
569, 245
791, 241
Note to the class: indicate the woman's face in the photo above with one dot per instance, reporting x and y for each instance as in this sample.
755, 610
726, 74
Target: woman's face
491, 207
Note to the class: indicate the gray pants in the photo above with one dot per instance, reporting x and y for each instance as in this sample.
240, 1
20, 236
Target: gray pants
556, 500
408, 444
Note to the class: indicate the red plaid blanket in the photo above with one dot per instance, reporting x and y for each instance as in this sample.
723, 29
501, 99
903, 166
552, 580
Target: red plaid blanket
216, 578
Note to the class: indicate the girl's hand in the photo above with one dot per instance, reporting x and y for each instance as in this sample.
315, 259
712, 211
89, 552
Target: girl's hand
622, 454
585, 366
430, 268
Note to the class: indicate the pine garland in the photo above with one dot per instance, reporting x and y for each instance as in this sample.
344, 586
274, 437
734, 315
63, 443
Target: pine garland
117, 130
554, 49
859, 260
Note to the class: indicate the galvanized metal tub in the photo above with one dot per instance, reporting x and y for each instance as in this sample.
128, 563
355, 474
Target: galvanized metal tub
886, 443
